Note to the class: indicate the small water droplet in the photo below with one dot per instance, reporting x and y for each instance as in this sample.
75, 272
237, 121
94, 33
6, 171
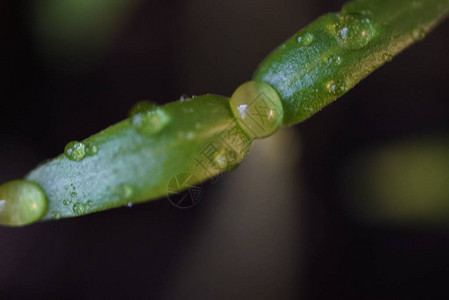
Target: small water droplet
73, 194
79, 208
354, 31
55, 215
331, 87
91, 149
89, 203
75, 151
129, 204
183, 98
418, 34
226, 159
336, 60
66, 202
305, 39
141, 107
126, 191
150, 121
387, 57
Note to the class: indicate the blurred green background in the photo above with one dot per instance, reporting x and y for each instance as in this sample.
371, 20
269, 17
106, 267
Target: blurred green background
351, 204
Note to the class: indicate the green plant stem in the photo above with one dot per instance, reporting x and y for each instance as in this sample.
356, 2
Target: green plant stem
145, 156
310, 77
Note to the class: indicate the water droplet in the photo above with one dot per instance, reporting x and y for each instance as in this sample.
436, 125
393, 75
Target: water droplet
91, 150
418, 34
305, 39
73, 194
141, 107
387, 57
55, 215
75, 151
129, 204
354, 31
226, 159
331, 87
66, 202
79, 208
336, 60
21, 202
183, 98
258, 108
126, 191
89, 203
337, 88
150, 121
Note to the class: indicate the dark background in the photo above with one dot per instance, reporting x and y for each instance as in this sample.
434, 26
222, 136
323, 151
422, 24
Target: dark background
283, 233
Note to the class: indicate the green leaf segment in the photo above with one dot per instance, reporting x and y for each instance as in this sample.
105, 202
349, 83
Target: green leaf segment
144, 156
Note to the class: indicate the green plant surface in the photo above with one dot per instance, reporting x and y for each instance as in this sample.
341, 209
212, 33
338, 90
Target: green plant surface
330, 56
163, 150
134, 162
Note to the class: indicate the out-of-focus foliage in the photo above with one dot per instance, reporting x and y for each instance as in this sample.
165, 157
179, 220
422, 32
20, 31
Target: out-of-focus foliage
79, 29
405, 182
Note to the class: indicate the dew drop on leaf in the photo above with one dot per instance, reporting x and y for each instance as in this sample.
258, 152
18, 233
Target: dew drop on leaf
21, 202
79, 208
418, 34
387, 57
75, 151
354, 31
305, 39
258, 109
148, 119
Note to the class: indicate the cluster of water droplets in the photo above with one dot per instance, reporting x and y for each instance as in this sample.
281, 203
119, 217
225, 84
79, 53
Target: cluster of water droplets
77, 151
354, 31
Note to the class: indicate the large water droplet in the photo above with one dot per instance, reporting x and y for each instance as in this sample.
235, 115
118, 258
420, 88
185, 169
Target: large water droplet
79, 208
258, 108
418, 34
305, 39
21, 202
147, 118
75, 151
354, 31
